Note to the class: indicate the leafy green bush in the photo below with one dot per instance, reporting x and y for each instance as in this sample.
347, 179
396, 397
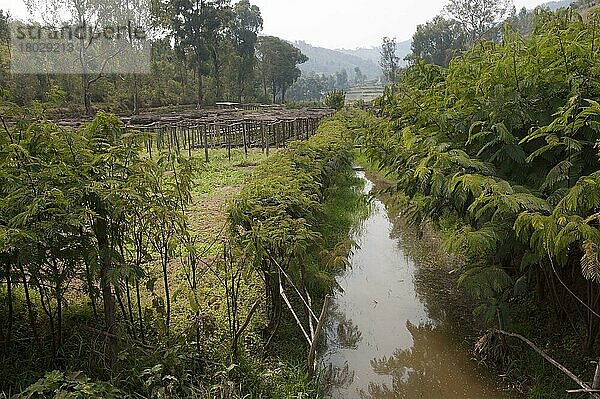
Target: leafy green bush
73, 385
335, 99
274, 222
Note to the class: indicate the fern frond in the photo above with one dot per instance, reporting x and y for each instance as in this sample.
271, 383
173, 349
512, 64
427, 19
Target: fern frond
485, 282
590, 264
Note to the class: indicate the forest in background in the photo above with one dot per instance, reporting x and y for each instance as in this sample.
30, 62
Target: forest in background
93, 232
201, 53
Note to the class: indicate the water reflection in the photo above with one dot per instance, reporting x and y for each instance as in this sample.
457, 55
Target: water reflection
339, 378
346, 333
431, 368
381, 342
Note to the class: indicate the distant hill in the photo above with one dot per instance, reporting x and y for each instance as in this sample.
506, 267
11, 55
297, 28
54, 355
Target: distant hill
555, 5
373, 53
327, 61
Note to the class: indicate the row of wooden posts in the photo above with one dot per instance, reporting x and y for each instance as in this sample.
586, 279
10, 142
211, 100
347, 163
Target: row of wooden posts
247, 134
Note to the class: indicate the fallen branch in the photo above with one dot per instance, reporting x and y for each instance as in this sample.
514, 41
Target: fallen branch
289, 305
582, 384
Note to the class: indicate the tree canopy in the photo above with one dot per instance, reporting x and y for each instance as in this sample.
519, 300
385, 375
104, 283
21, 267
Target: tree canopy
438, 41
278, 64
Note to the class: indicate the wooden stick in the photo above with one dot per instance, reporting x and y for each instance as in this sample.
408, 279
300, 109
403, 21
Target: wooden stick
582, 390
204, 129
313, 345
289, 305
582, 384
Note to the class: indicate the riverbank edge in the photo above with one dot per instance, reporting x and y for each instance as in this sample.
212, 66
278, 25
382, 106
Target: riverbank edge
526, 373
327, 159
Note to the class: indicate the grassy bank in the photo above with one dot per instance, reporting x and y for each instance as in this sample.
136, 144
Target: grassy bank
290, 223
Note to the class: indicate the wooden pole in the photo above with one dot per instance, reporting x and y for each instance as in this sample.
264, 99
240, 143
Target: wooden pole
204, 131
585, 387
596, 383
267, 139
264, 141
244, 139
189, 140
228, 135
313, 346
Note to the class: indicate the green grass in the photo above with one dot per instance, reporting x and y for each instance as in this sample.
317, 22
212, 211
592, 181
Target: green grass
221, 172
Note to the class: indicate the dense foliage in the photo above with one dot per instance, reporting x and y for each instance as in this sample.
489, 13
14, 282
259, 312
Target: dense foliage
313, 87
504, 143
103, 271
276, 223
335, 100
83, 212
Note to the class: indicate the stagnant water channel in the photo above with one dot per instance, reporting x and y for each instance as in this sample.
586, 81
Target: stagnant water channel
381, 342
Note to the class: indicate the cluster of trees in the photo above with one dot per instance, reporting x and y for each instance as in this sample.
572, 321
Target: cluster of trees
201, 52
82, 215
314, 87
465, 22
504, 143
278, 65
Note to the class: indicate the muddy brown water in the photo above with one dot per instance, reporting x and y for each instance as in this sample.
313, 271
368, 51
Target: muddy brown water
381, 342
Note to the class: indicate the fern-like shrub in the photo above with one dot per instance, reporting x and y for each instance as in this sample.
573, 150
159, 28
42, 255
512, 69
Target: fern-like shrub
505, 140
274, 222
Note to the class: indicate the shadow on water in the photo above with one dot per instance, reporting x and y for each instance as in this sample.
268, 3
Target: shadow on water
383, 339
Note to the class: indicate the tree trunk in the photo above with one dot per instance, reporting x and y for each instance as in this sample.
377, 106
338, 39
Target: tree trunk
59, 322
47, 308
136, 96
217, 71
30, 311
240, 82
90, 286
130, 307
165, 264
200, 90
87, 102
108, 298
265, 86
9, 298
139, 309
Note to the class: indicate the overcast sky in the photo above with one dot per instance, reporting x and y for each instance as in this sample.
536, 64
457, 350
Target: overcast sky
336, 23
351, 24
